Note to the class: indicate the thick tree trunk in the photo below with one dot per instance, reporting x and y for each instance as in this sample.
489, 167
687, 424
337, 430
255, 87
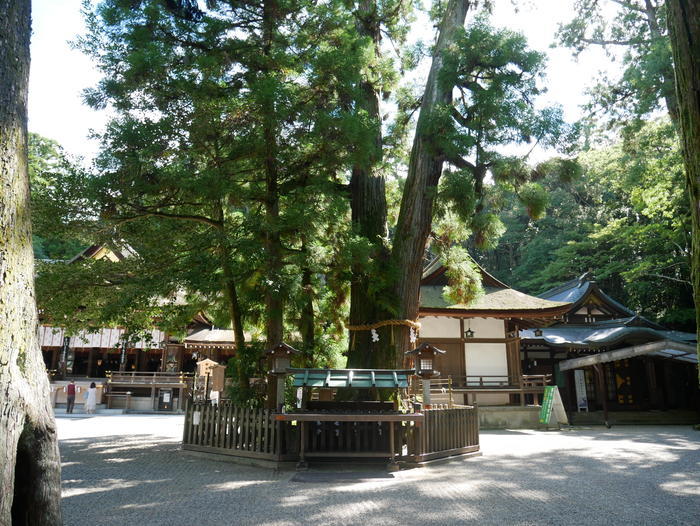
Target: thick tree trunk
30, 488
274, 303
369, 216
229, 286
307, 319
424, 171
684, 30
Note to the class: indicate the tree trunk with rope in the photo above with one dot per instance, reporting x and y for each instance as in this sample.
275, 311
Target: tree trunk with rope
424, 171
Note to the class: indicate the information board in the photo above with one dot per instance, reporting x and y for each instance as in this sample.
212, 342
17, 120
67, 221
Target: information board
552, 405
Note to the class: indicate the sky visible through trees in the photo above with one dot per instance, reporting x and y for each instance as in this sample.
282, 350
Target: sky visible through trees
539, 171
60, 73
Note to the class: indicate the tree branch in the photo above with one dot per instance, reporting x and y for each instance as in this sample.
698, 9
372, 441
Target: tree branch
613, 42
461, 163
677, 280
182, 217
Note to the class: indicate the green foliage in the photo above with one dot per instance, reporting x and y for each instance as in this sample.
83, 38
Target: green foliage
48, 168
635, 29
496, 79
463, 276
247, 364
535, 199
625, 219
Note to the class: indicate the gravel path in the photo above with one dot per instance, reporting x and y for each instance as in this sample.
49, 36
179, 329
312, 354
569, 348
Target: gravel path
128, 470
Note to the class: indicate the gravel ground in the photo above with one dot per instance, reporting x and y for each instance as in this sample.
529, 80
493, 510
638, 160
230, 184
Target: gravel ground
129, 470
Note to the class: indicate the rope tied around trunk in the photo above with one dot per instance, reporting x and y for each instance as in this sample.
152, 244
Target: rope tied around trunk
408, 323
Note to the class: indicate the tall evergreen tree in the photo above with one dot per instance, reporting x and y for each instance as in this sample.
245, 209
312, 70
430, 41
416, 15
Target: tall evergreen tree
684, 26
494, 79
30, 467
638, 30
232, 133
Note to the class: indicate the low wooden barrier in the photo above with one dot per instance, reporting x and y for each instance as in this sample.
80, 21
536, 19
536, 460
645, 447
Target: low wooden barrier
261, 434
111, 397
148, 379
444, 433
238, 431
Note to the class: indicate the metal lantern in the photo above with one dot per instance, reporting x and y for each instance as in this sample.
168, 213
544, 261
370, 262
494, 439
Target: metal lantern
281, 356
469, 333
424, 359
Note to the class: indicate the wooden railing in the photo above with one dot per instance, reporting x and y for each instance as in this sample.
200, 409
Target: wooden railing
141, 378
495, 381
237, 431
258, 433
442, 389
444, 433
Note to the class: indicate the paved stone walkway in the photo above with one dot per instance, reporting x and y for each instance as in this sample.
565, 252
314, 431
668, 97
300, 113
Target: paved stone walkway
128, 470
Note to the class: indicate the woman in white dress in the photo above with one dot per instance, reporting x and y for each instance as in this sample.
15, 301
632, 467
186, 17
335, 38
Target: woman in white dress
91, 399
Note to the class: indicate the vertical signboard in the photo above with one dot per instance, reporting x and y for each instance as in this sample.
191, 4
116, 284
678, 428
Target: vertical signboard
581, 397
552, 404
546, 409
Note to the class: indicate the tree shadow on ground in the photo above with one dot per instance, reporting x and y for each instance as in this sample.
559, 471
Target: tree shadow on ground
628, 476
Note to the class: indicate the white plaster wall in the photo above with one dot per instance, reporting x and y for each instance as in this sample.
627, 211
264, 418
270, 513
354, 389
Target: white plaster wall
439, 327
486, 359
486, 327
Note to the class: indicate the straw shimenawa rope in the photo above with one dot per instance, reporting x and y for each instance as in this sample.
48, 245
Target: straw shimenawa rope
408, 323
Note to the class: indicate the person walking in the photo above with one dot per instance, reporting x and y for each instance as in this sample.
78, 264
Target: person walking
91, 399
70, 396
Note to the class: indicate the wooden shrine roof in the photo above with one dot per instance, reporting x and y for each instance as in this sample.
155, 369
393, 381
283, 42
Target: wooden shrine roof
499, 300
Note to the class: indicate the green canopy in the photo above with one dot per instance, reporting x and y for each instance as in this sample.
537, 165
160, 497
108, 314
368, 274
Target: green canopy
360, 378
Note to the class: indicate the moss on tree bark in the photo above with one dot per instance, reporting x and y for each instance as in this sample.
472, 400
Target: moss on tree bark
30, 489
684, 30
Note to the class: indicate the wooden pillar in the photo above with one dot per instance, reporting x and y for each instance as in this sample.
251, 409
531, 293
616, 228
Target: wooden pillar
179, 355
54, 359
142, 361
91, 362
393, 465
122, 358
654, 394
163, 360
602, 388
302, 446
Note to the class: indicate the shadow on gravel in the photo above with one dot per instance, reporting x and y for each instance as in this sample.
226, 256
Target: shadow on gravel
654, 479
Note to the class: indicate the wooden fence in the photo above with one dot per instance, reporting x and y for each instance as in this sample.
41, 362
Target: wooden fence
444, 432
258, 433
238, 431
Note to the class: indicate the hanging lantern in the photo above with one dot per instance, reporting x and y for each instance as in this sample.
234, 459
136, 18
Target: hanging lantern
469, 333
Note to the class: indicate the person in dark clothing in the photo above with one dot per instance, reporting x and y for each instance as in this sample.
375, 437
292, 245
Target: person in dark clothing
70, 396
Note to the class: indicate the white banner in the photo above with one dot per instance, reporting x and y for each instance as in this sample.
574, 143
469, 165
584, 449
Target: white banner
581, 397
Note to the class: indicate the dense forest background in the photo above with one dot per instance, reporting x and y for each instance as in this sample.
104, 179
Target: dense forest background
266, 171
623, 218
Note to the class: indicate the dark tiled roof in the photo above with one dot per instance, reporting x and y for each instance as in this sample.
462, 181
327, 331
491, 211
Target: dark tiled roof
602, 334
